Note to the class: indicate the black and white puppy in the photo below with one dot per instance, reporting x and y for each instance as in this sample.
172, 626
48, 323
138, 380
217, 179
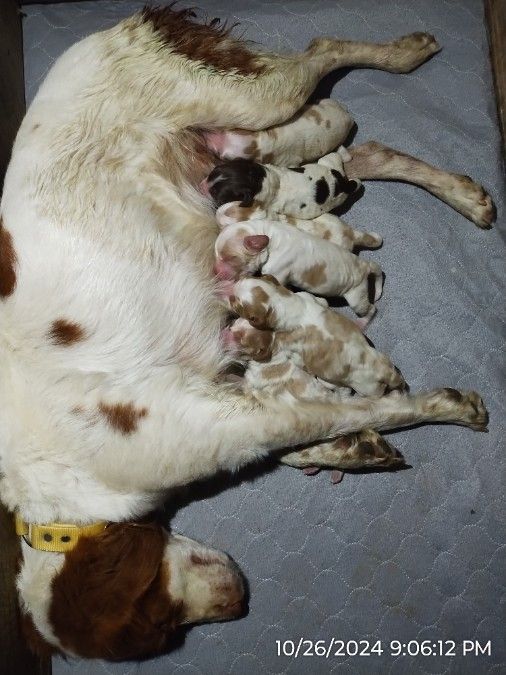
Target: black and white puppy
307, 191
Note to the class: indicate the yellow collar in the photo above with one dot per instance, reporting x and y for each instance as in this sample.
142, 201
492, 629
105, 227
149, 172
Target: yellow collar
55, 537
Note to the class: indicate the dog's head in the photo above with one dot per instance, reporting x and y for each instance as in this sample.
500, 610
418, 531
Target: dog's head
249, 342
237, 180
125, 593
256, 299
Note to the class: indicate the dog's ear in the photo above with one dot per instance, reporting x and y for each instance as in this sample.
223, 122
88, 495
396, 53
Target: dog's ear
256, 242
270, 279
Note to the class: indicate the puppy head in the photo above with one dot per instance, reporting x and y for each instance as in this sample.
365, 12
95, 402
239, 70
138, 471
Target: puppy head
253, 300
251, 343
237, 180
239, 251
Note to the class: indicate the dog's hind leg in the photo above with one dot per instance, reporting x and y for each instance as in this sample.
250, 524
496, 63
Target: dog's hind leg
226, 85
374, 161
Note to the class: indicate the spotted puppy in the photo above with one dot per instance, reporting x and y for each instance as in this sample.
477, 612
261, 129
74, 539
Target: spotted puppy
326, 344
303, 192
314, 131
299, 259
327, 226
272, 373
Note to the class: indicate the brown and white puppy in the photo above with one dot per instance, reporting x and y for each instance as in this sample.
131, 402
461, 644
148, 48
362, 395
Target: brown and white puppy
272, 373
299, 259
327, 226
326, 344
314, 131
303, 192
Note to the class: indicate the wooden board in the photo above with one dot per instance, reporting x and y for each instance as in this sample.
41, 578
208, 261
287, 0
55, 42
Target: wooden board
15, 658
495, 12
12, 90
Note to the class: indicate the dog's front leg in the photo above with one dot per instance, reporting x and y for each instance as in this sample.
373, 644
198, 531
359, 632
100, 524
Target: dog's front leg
226, 432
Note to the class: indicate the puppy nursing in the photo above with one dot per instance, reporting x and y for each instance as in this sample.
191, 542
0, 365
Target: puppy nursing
297, 258
322, 342
327, 226
314, 131
303, 192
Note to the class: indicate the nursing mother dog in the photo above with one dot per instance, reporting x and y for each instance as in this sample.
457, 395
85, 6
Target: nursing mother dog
111, 383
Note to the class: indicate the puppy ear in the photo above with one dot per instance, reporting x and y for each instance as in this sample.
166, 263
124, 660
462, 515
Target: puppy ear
228, 214
270, 279
256, 242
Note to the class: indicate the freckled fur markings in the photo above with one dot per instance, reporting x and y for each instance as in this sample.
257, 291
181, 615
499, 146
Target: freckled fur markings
65, 333
8, 262
123, 417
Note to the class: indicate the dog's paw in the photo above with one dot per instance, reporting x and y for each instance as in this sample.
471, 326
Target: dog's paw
458, 407
473, 411
473, 202
410, 51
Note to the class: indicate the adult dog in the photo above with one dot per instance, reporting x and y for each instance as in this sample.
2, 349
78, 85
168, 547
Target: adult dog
110, 355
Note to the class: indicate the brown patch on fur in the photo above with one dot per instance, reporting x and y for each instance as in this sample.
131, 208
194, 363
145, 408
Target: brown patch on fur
210, 44
270, 279
313, 113
453, 394
291, 220
240, 213
327, 124
197, 559
256, 344
65, 332
35, 127
37, 644
251, 151
111, 598
8, 262
333, 320
326, 234
315, 276
123, 417
268, 158
258, 312
275, 371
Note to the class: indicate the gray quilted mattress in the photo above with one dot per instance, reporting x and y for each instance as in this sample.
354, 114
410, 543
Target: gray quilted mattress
414, 555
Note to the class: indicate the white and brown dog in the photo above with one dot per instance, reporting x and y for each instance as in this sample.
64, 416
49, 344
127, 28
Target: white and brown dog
327, 226
325, 343
301, 192
272, 374
312, 132
300, 259
112, 386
